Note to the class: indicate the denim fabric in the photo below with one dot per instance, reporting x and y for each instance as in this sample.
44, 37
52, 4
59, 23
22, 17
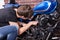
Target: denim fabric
9, 31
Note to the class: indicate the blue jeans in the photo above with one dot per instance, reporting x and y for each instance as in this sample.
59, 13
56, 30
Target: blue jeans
9, 31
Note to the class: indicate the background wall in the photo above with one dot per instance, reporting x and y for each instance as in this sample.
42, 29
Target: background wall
30, 2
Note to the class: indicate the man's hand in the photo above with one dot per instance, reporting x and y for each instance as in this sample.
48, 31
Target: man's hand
33, 22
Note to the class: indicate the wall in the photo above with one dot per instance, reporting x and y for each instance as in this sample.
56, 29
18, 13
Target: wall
30, 2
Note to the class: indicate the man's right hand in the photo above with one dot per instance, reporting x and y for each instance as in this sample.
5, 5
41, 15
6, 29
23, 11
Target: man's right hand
33, 22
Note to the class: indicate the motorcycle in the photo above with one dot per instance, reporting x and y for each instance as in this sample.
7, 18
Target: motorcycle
48, 22
48, 26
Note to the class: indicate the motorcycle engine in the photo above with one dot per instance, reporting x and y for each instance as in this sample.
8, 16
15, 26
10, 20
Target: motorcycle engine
39, 32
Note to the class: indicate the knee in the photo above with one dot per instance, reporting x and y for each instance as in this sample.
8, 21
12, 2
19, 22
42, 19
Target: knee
14, 28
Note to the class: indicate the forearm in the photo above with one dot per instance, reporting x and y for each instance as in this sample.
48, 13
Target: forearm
20, 29
24, 28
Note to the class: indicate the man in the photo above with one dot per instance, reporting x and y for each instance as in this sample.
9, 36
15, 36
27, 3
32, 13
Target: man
9, 25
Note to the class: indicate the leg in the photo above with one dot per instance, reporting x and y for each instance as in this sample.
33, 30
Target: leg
11, 36
8, 30
1, 36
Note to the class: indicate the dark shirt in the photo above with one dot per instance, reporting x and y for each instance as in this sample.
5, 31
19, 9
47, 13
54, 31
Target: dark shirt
6, 15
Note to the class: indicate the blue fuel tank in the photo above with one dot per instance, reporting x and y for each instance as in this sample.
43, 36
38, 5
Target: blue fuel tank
45, 7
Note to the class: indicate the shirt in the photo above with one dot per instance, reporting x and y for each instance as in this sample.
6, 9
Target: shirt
6, 15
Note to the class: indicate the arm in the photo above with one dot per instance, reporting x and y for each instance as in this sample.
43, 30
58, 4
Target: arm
25, 27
